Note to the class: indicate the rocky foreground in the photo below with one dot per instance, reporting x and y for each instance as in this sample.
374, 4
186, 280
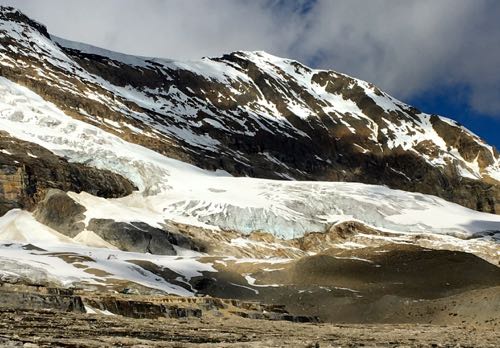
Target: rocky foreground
63, 318
45, 328
41, 317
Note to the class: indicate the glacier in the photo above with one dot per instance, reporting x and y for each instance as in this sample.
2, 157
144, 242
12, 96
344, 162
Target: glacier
173, 190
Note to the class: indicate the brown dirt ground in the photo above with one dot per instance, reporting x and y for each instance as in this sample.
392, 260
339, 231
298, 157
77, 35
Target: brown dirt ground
55, 329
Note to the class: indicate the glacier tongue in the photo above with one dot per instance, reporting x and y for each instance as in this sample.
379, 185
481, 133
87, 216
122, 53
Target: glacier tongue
170, 189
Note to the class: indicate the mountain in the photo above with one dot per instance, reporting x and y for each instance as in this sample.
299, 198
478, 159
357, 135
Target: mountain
245, 176
253, 114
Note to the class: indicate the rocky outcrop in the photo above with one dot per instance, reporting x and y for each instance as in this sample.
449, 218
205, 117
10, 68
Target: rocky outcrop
13, 15
19, 297
142, 309
58, 211
134, 236
11, 187
23, 297
28, 172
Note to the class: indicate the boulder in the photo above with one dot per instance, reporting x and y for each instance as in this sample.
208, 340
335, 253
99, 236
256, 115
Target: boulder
135, 236
60, 212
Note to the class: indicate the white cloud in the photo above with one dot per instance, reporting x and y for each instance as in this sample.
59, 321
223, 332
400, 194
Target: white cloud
412, 47
405, 47
171, 29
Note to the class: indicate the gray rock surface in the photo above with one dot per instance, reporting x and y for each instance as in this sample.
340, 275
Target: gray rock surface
135, 236
60, 212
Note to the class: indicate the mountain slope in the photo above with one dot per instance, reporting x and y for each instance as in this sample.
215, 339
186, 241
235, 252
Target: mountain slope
141, 183
171, 190
253, 114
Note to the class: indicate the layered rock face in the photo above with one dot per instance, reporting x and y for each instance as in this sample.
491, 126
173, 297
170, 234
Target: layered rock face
28, 172
253, 114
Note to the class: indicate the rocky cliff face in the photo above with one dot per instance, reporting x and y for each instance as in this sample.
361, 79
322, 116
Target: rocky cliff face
254, 114
28, 171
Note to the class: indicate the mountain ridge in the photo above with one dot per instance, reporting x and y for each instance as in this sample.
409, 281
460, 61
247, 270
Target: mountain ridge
253, 114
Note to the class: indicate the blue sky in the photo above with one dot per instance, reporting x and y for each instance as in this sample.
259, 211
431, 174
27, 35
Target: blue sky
441, 56
452, 102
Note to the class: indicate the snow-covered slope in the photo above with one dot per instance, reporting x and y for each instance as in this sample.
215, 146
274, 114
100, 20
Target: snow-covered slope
66, 265
170, 189
254, 114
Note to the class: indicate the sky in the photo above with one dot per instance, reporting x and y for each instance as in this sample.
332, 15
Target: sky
442, 56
